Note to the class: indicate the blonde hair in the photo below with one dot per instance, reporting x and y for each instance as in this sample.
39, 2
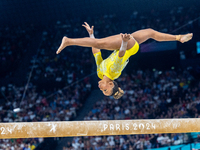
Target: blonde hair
118, 94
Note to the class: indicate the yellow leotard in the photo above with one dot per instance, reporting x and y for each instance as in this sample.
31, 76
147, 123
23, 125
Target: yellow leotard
113, 65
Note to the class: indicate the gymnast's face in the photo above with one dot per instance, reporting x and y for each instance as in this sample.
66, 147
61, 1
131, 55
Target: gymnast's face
106, 87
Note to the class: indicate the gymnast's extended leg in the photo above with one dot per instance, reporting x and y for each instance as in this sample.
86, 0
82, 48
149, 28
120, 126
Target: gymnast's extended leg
143, 35
114, 42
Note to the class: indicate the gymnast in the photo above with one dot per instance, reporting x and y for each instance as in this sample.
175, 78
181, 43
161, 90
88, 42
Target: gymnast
123, 46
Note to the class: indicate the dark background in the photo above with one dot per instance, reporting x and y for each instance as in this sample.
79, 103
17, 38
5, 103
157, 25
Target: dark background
47, 12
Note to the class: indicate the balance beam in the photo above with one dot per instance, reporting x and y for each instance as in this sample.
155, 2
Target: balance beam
95, 128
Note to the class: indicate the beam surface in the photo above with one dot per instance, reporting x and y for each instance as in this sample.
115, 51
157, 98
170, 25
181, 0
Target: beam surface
94, 128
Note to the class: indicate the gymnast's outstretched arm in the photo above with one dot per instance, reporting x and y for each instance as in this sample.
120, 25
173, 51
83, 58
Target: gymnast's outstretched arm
90, 31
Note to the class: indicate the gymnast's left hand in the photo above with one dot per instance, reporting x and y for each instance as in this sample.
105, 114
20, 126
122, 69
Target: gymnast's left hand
89, 29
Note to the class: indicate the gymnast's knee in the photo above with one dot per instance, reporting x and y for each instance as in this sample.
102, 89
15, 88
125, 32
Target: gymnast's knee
151, 32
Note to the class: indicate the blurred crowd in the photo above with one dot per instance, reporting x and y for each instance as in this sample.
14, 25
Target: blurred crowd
148, 95
130, 142
170, 94
14, 44
34, 106
20, 144
177, 20
38, 106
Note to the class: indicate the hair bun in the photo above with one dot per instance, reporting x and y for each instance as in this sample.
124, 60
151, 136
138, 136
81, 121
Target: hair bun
118, 94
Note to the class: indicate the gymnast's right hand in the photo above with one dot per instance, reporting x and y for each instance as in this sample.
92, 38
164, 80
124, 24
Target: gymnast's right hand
125, 37
88, 28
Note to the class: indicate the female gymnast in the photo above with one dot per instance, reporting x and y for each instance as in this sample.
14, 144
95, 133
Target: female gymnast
124, 46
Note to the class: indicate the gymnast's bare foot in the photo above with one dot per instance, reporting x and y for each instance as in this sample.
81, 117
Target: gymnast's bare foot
185, 38
64, 43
